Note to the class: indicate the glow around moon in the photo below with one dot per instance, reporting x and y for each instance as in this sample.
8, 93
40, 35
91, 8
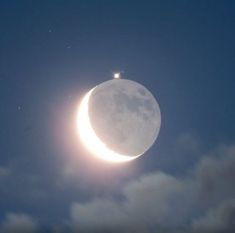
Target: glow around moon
118, 120
91, 140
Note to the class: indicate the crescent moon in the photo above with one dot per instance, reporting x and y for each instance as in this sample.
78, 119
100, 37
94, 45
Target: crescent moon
89, 138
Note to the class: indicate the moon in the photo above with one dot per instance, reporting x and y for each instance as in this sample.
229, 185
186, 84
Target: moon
118, 120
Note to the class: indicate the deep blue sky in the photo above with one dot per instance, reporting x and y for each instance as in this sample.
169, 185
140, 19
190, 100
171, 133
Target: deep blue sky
52, 52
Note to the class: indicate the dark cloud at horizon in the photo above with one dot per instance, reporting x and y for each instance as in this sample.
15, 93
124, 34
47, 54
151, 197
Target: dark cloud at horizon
201, 201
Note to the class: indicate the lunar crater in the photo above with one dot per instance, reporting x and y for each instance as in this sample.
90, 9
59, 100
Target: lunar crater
125, 116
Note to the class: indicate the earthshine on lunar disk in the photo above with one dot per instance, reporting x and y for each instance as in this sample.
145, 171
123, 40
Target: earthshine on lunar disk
118, 120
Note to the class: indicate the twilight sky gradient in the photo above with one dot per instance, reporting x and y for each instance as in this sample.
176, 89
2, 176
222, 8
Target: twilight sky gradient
52, 52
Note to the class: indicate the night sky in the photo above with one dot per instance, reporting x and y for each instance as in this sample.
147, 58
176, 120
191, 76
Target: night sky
53, 52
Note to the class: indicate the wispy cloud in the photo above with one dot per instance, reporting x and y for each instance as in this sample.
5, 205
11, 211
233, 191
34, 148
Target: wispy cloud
4, 171
201, 201
219, 218
18, 223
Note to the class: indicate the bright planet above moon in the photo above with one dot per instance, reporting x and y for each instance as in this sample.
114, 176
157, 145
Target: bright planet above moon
118, 120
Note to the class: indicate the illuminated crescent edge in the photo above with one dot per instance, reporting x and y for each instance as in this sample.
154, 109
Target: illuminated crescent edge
91, 141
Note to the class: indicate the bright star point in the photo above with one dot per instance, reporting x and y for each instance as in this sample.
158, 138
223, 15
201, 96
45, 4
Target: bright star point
117, 75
